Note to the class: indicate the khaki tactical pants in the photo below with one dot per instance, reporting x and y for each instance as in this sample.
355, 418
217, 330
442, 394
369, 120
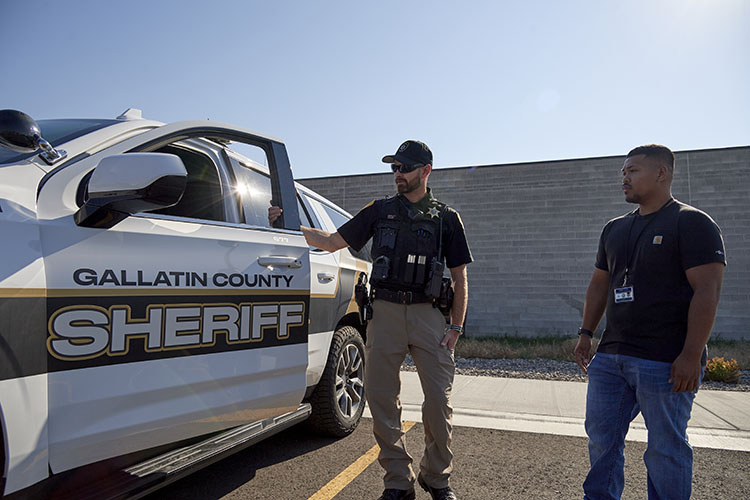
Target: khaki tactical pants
394, 330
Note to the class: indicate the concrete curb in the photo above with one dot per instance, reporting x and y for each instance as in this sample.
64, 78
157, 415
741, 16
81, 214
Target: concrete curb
720, 419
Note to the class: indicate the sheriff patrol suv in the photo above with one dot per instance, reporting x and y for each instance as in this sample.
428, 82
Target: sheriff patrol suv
151, 320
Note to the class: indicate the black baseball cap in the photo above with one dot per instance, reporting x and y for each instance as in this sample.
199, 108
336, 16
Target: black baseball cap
411, 153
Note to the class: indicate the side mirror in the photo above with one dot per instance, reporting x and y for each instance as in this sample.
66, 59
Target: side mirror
126, 184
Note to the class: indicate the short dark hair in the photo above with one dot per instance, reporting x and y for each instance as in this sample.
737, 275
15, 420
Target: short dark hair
661, 154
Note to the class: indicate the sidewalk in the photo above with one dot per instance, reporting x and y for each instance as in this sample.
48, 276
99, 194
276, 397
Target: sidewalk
720, 419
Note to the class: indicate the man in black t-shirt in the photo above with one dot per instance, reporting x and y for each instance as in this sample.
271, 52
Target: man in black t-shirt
412, 233
658, 274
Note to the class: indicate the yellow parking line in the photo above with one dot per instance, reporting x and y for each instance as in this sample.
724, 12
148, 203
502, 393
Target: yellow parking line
339, 482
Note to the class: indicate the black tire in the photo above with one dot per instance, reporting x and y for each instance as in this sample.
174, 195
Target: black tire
339, 398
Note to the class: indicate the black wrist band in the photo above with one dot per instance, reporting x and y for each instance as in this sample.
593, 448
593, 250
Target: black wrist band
585, 332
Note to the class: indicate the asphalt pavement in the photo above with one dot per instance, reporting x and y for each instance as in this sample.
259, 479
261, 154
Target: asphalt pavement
513, 439
489, 464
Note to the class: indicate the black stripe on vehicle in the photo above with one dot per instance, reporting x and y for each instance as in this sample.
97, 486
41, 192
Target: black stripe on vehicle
22, 337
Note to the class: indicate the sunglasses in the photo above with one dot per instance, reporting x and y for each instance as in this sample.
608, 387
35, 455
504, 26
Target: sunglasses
405, 169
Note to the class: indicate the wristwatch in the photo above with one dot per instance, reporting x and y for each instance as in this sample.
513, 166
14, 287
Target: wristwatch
458, 328
585, 332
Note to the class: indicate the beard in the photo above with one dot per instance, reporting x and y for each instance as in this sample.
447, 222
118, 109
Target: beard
633, 198
407, 186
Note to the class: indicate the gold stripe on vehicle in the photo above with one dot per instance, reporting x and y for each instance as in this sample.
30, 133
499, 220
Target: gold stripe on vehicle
13, 293
155, 292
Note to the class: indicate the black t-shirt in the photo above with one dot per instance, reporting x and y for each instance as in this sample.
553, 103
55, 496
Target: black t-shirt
357, 231
656, 249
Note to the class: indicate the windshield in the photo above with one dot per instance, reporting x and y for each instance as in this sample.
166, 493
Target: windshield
57, 132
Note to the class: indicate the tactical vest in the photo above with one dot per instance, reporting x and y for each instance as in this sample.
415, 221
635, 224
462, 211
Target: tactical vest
404, 245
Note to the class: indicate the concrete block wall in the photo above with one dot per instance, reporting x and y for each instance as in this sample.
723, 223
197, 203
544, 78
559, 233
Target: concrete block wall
533, 229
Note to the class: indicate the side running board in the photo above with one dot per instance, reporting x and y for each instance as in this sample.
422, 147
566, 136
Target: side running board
145, 478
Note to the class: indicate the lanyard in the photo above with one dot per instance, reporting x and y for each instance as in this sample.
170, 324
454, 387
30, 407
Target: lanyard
635, 245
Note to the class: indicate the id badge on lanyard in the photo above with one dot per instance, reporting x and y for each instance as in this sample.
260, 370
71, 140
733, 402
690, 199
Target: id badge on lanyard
624, 294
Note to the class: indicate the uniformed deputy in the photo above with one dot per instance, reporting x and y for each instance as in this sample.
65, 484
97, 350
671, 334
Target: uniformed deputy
412, 233
658, 275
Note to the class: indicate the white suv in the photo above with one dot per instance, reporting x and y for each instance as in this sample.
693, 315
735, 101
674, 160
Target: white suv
152, 321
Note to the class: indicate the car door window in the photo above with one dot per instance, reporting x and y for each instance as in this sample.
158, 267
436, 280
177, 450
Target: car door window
207, 195
254, 189
203, 193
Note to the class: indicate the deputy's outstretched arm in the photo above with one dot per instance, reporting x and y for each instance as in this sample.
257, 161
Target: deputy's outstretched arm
323, 239
314, 237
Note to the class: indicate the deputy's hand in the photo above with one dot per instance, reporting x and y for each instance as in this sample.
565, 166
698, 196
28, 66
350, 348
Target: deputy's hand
450, 339
686, 373
274, 213
583, 352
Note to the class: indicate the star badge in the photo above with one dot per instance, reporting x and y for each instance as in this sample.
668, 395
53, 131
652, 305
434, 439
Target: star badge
434, 213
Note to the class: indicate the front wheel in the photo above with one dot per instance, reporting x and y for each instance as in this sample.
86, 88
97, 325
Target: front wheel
339, 398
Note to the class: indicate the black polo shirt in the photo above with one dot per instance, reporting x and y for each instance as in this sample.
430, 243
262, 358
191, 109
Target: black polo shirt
357, 231
660, 247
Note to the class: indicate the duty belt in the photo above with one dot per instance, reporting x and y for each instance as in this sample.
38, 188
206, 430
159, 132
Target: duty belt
400, 297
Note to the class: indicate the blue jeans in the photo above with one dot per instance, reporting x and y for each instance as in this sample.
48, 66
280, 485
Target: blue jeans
619, 388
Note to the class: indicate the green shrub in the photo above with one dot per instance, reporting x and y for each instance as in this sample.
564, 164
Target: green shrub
721, 370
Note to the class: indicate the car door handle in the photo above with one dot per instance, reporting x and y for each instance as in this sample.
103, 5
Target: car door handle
326, 277
279, 261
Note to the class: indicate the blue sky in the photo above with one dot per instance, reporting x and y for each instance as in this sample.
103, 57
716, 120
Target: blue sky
343, 82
